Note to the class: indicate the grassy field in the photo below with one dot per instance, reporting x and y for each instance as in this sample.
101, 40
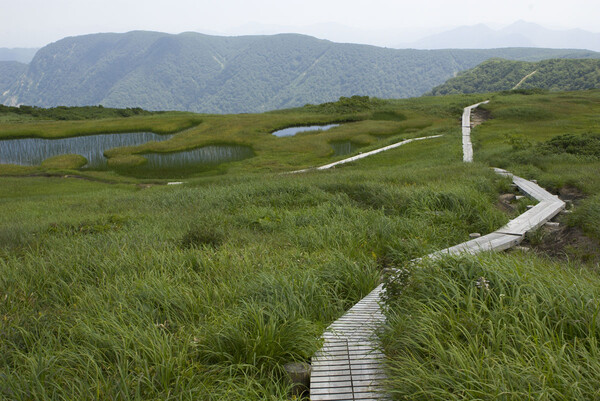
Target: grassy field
112, 287
368, 123
517, 326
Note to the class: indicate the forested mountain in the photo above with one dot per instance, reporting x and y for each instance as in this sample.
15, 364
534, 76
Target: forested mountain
10, 71
203, 73
498, 75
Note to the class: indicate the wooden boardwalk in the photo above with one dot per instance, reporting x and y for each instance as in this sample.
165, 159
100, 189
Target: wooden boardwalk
349, 366
466, 132
367, 154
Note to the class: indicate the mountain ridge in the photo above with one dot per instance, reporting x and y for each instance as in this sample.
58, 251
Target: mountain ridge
20, 54
217, 74
517, 34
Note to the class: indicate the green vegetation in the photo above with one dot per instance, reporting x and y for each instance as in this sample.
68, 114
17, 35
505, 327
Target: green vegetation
10, 72
212, 74
70, 162
134, 290
367, 122
558, 147
167, 123
517, 326
509, 327
204, 290
503, 75
70, 113
586, 144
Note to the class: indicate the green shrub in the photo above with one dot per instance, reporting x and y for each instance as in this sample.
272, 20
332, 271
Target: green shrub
585, 145
65, 162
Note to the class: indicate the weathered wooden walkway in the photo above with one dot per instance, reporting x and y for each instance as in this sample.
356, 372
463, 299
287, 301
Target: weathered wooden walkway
466, 132
367, 154
349, 365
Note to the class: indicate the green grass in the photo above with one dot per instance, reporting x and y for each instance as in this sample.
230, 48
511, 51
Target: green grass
510, 327
206, 290
559, 150
533, 333
365, 123
114, 287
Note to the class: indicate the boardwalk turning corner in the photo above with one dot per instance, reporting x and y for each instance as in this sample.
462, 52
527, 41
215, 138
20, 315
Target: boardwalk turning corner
349, 366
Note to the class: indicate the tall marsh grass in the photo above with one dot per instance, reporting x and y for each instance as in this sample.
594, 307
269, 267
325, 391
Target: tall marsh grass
204, 291
495, 327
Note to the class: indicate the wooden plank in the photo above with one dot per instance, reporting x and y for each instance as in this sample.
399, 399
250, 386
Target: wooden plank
349, 365
373, 152
333, 397
533, 218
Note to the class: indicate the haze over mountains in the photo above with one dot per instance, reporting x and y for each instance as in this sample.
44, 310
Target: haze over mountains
519, 34
22, 55
202, 73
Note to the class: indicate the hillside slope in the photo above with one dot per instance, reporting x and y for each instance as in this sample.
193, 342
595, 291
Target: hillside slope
202, 73
10, 71
498, 75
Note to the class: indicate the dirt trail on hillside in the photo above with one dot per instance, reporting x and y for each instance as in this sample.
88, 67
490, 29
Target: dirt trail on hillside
523, 80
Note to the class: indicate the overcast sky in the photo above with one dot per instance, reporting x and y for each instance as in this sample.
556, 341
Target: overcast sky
35, 23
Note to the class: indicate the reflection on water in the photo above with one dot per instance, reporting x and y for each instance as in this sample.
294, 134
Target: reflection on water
342, 148
213, 154
32, 151
294, 130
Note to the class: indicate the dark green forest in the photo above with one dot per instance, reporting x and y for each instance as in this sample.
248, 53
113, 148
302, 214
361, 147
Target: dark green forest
73, 113
212, 74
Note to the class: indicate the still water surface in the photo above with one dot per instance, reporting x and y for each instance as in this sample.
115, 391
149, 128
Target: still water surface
343, 148
32, 151
294, 130
208, 155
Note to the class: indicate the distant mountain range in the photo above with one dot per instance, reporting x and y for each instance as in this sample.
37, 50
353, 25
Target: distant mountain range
22, 55
519, 34
214, 74
499, 75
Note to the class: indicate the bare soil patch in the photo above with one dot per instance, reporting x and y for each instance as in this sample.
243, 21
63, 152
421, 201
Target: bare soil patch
479, 116
505, 203
565, 243
569, 193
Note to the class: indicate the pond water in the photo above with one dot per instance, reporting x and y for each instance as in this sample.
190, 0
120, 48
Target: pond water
343, 148
208, 155
32, 151
294, 130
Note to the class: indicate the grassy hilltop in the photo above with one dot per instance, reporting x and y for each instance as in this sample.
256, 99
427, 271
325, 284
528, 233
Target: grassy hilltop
115, 287
499, 75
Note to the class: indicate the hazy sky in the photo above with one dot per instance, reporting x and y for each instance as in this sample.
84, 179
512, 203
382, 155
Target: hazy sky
34, 23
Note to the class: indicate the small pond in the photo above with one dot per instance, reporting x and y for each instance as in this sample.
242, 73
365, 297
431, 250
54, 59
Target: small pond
294, 130
207, 155
32, 151
343, 148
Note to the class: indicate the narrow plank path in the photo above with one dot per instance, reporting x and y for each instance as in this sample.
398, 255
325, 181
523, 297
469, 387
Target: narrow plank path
466, 132
367, 154
349, 366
